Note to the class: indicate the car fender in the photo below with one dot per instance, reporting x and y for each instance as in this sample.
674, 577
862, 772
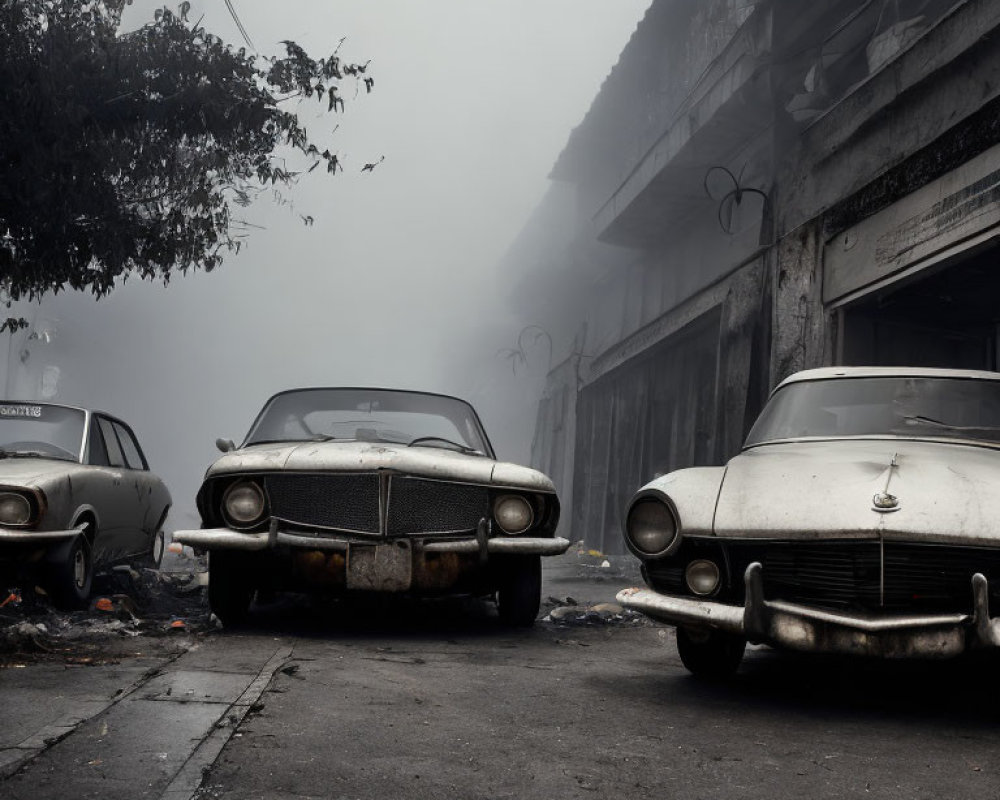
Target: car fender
691, 493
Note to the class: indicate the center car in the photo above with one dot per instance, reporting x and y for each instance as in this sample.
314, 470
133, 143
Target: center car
348, 490
862, 517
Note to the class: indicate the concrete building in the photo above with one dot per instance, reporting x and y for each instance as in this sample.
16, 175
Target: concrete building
758, 188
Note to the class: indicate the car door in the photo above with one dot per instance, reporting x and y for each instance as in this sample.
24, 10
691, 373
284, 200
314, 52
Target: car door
117, 502
140, 527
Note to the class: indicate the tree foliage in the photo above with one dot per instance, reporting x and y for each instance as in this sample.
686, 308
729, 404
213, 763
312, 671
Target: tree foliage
125, 152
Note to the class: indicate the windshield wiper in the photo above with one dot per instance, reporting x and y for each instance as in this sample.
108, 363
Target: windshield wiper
921, 419
420, 440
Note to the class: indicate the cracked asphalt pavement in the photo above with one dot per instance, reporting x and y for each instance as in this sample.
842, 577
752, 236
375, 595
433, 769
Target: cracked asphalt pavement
437, 700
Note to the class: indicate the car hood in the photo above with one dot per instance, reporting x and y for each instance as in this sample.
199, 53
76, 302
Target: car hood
944, 492
430, 462
33, 471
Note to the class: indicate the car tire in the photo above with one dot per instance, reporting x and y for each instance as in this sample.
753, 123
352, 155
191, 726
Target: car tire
710, 654
70, 575
519, 593
157, 547
230, 588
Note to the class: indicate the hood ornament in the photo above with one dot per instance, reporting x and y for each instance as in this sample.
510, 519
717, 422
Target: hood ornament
883, 501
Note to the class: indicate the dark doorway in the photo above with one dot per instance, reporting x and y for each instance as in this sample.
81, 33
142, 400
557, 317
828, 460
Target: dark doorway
947, 319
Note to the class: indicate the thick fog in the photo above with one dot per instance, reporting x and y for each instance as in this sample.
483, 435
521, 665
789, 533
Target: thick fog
397, 283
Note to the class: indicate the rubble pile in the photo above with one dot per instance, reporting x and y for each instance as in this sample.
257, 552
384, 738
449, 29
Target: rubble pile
569, 612
126, 603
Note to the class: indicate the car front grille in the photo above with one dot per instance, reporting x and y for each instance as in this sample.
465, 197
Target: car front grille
350, 503
343, 502
862, 576
422, 506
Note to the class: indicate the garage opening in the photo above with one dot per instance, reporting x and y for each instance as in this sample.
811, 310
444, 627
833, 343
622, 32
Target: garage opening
947, 319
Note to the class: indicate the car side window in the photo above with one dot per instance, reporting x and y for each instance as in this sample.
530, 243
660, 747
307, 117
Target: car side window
130, 447
97, 453
115, 457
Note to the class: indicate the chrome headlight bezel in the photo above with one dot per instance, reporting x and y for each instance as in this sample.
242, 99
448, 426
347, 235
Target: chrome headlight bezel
522, 512
33, 504
255, 492
655, 505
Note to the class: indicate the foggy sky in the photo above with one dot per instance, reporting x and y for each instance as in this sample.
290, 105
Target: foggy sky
396, 282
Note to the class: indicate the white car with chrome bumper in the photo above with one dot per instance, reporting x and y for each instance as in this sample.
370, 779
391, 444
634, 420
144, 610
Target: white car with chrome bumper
861, 517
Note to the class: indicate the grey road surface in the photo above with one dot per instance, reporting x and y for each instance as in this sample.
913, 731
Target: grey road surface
439, 701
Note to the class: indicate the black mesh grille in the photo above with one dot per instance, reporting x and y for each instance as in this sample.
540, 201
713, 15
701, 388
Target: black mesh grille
938, 576
422, 506
846, 575
343, 502
838, 575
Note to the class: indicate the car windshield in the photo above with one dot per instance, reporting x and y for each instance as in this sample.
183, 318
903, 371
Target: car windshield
952, 408
28, 429
370, 415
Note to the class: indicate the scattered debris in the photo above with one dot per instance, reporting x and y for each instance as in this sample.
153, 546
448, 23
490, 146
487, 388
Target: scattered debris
127, 603
13, 598
568, 612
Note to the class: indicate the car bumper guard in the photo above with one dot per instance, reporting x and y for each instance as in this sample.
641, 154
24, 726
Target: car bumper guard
809, 629
23, 537
226, 539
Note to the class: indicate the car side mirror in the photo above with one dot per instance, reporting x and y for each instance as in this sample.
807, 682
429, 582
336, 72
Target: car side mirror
225, 445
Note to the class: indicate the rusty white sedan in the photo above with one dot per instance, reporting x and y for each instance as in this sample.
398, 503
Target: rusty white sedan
861, 517
346, 490
76, 494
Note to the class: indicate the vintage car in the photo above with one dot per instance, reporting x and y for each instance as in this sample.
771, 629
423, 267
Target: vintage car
861, 517
76, 494
348, 490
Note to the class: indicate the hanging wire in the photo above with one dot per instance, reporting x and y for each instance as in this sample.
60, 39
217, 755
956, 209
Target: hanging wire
730, 201
236, 19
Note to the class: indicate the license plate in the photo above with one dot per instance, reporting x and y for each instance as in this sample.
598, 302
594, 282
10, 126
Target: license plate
380, 567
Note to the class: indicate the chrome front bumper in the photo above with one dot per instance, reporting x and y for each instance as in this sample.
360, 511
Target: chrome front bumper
814, 630
226, 539
45, 538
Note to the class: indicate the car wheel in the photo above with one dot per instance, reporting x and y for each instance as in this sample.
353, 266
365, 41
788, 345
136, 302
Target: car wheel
519, 593
156, 548
710, 654
230, 589
70, 576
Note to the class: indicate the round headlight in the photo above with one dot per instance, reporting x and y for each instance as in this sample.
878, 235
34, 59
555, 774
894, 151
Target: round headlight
14, 509
243, 503
513, 513
702, 576
650, 527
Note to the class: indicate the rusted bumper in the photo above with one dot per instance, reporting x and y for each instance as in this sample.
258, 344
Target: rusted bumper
226, 539
804, 628
43, 538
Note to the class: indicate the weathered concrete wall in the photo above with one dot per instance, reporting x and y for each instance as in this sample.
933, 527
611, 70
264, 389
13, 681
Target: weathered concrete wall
747, 301
948, 76
800, 325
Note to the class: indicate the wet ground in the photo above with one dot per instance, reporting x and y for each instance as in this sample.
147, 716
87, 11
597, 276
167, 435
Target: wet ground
437, 700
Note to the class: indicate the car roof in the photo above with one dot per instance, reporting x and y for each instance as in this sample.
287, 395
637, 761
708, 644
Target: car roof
831, 373
367, 389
